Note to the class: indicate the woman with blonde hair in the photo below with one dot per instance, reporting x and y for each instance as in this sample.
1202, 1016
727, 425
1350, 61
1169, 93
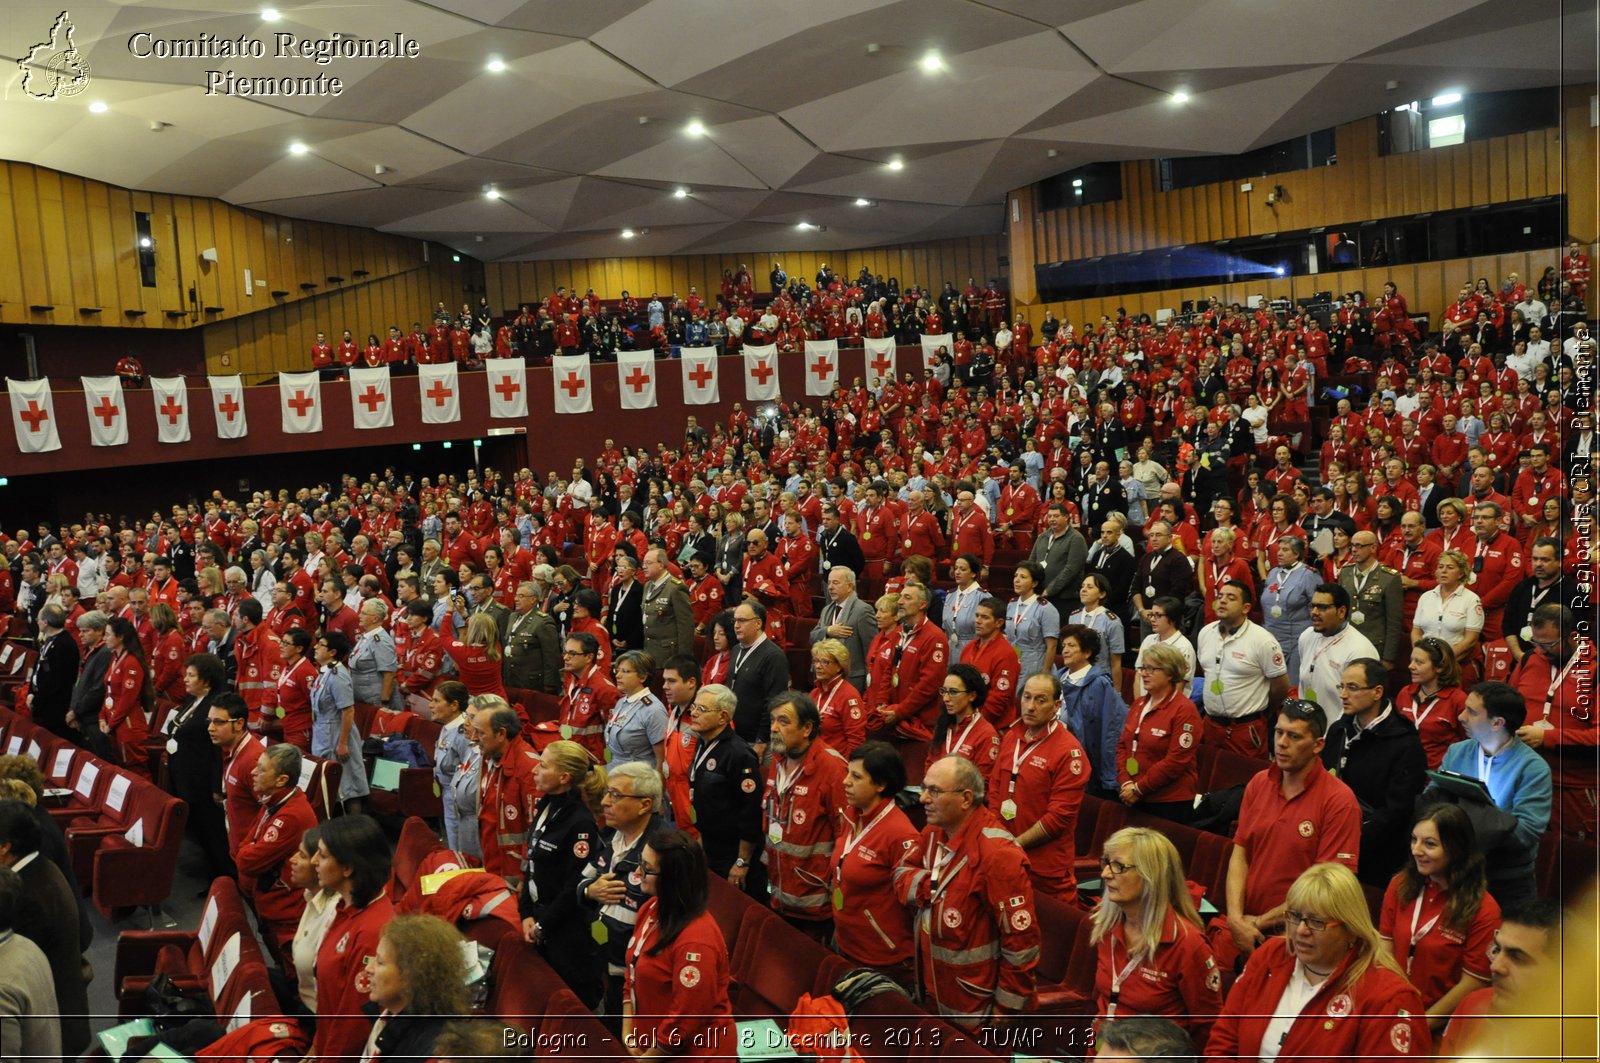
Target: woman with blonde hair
418, 978
477, 657
1332, 990
1154, 957
844, 715
560, 840
880, 653
1452, 612
209, 580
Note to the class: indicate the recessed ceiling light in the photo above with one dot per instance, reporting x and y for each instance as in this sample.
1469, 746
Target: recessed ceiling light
695, 129
99, 107
932, 63
863, 202
492, 192
497, 65
804, 226
627, 234
1180, 97
270, 14
146, 243
1077, 182
1447, 99
298, 148
896, 164
681, 193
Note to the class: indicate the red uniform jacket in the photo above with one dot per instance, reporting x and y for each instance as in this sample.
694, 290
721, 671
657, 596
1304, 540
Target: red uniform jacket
871, 927
763, 577
1500, 572
844, 716
1379, 1018
971, 534
798, 811
294, 702
1160, 740
167, 665
706, 597
799, 562
1437, 719
976, 932
420, 662
123, 710
977, 740
259, 661
264, 858
586, 706
344, 981
917, 668
1044, 778
1564, 696
1418, 563
997, 662
921, 534
679, 750
506, 796
1181, 981
873, 530
680, 994
239, 803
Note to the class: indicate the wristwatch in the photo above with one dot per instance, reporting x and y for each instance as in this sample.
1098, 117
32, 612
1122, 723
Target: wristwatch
741, 862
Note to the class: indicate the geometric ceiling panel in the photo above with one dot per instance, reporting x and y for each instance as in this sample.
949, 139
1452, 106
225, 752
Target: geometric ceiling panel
582, 124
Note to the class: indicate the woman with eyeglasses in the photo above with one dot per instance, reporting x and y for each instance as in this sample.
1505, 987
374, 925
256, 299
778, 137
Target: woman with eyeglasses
1438, 919
675, 1000
962, 730
1153, 955
1452, 612
844, 715
1434, 698
1164, 614
1156, 769
560, 839
1331, 990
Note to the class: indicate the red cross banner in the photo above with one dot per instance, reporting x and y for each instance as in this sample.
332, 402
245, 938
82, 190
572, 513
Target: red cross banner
822, 366
171, 394
108, 417
761, 373
371, 399
300, 395
508, 387
880, 362
33, 414
932, 345
440, 393
636, 379
699, 376
570, 373
227, 402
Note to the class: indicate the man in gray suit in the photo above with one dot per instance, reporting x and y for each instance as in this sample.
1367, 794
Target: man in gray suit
668, 611
431, 565
848, 619
481, 593
1061, 551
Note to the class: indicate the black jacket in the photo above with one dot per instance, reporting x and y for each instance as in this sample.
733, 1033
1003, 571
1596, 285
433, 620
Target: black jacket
1386, 769
560, 841
55, 673
725, 788
89, 693
407, 1038
602, 861
758, 676
843, 549
625, 615
194, 768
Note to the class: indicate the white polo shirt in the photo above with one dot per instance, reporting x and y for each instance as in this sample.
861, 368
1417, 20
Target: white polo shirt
1322, 662
1237, 668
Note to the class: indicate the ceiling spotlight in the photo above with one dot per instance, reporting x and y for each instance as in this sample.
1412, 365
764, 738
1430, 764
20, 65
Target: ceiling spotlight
497, 65
1447, 99
695, 128
932, 63
681, 193
896, 164
1180, 97
1051, 153
874, 48
99, 107
146, 243
804, 226
491, 192
270, 14
298, 148
863, 202
1077, 182
627, 234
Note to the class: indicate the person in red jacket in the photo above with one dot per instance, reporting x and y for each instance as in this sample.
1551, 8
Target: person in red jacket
354, 861
322, 359
166, 663
675, 997
1415, 557
871, 927
797, 555
996, 661
844, 714
297, 675
976, 931
963, 730
225, 722
804, 791
1037, 786
266, 853
588, 695
256, 652
1557, 682
908, 701
1496, 565
969, 530
506, 788
1153, 955
875, 527
1018, 510
1328, 989
129, 695
1156, 769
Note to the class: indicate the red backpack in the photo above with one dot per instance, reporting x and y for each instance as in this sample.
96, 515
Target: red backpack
819, 1028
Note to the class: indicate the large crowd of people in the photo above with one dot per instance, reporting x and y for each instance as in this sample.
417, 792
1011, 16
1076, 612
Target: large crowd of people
1047, 570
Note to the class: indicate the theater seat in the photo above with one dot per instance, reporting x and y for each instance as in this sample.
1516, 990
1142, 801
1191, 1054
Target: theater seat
522, 983
126, 875
570, 1031
319, 781
188, 957
417, 840
764, 987
86, 831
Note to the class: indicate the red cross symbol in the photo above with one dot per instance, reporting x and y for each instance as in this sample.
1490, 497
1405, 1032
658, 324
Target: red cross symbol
106, 411
228, 407
35, 415
822, 367
637, 379
507, 388
439, 393
762, 372
171, 409
882, 363
573, 384
372, 398
301, 403
701, 375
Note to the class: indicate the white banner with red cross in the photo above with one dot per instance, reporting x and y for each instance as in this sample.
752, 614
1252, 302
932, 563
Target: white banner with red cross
880, 362
371, 400
300, 395
699, 376
440, 393
636, 379
574, 393
508, 387
33, 414
171, 395
822, 366
761, 373
108, 417
227, 402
